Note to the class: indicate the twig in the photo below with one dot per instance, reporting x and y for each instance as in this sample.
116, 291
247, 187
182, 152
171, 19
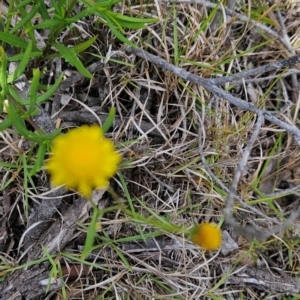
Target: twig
210, 86
278, 65
222, 185
291, 50
284, 192
229, 202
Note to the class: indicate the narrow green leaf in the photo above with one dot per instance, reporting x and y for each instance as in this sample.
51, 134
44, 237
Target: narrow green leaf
122, 256
22, 65
46, 137
49, 24
91, 4
14, 94
18, 57
69, 55
118, 34
3, 75
82, 46
80, 16
7, 165
40, 98
5, 124
2, 98
55, 4
90, 235
39, 159
20, 126
126, 191
105, 5
109, 120
23, 4
34, 90
130, 22
54, 271
13, 40
17, 121
44, 97
42, 9
29, 16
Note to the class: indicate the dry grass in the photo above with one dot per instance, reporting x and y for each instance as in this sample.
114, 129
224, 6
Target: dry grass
163, 175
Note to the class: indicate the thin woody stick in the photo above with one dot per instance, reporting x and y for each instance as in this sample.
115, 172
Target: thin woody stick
209, 85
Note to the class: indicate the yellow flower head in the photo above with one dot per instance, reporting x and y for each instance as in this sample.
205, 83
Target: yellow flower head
206, 235
83, 159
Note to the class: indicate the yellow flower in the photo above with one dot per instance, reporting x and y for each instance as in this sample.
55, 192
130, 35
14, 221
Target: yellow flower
83, 159
206, 235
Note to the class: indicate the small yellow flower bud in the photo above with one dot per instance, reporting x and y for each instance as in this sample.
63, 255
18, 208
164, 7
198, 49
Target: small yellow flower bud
206, 235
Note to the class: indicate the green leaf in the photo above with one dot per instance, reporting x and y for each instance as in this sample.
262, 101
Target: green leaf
102, 5
7, 165
46, 137
22, 65
5, 124
42, 9
44, 97
48, 24
119, 35
20, 126
57, 7
109, 120
105, 4
29, 16
90, 235
80, 16
116, 21
39, 159
23, 4
17, 121
130, 22
15, 95
82, 46
40, 98
13, 40
34, 90
19, 56
53, 271
70, 55
3, 77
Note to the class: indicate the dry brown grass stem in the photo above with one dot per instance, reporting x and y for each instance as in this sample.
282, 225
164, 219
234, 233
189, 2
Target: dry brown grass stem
248, 232
284, 41
230, 203
207, 84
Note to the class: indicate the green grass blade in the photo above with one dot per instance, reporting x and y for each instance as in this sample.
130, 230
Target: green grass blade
39, 159
109, 120
3, 77
90, 235
34, 90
